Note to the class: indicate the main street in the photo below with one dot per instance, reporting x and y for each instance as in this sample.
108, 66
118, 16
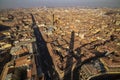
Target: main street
42, 55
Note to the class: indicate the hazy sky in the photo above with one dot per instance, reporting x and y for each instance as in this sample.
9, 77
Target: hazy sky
57, 3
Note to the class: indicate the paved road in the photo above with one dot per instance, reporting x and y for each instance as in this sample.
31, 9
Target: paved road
43, 57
